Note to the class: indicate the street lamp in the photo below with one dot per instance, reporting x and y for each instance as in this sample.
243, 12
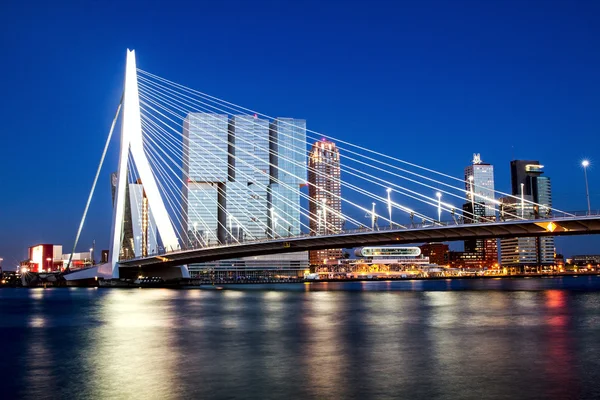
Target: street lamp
373, 217
439, 197
471, 178
389, 202
522, 201
92, 255
196, 241
324, 214
48, 263
585, 164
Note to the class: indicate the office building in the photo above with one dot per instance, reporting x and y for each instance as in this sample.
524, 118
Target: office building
532, 199
205, 170
242, 177
480, 207
324, 191
437, 252
145, 238
288, 174
479, 185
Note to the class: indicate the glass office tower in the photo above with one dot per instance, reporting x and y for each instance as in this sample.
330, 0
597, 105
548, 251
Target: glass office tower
205, 166
288, 174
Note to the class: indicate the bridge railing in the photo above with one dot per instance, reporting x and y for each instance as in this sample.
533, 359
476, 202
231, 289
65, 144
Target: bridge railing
393, 227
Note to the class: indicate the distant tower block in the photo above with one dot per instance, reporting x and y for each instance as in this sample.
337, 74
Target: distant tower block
324, 191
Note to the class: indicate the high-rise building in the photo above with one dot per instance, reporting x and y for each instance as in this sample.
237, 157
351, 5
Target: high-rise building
532, 199
288, 174
242, 178
480, 207
145, 239
324, 190
246, 190
205, 170
139, 237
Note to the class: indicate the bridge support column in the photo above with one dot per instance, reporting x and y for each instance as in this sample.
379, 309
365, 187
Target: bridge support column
185, 273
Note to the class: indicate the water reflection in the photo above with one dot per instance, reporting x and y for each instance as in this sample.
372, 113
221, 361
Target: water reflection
300, 344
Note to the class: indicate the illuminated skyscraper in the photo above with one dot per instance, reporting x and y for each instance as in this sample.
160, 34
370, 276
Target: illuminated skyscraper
242, 178
324, 190
480, 207
205, 169
479, 185
532, 199
288, 173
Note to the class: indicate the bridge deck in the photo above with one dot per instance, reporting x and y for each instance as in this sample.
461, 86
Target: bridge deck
541, 227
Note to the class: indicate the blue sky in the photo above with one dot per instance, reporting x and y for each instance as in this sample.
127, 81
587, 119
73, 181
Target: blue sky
427, 81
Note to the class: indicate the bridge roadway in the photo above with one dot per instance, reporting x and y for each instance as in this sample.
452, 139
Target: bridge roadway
563, 226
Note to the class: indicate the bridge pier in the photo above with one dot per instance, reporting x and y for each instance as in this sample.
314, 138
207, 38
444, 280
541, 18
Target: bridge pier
163, 272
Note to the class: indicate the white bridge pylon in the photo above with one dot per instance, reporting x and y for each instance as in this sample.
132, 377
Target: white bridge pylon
131, 140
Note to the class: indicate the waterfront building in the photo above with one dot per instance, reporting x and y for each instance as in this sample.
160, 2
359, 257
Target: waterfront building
400, 256
532, 199
139, 229
50, 258
586, 259
480, 207
245, 190
437, 252
479, 186
205, 169
144, 232
288, 173
324, 191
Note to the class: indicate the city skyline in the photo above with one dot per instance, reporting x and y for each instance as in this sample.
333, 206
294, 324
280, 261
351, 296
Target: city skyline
525, 97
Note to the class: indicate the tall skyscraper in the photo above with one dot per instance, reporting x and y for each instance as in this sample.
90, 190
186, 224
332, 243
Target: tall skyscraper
479, 185
324, 190
246, 188
480, 207
288, 173
242, 178
532, 199
205, 169
145, 239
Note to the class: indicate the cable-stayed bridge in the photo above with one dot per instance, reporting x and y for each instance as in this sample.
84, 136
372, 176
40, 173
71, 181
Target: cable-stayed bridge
201, 179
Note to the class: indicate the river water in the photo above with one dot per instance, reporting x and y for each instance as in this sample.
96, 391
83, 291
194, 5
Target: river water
535, 339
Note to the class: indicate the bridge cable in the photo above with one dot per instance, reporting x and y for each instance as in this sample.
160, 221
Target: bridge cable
89, 200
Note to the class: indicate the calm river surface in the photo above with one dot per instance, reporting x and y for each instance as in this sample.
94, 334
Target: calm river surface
537, 339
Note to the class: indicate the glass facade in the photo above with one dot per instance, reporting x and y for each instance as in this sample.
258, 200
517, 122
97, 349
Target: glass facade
145, 239
233, 194
528, 251
202, 213
288, 173
247, 213
205, 165
249, 141
205, 147
479, 181
480, 207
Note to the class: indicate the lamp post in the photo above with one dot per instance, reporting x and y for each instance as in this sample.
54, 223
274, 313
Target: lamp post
92, 255
585, 164
48, 263
522, 201
230, 228
389, 204
324, 214
471, 178
195, 234
439, 197
373, 217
